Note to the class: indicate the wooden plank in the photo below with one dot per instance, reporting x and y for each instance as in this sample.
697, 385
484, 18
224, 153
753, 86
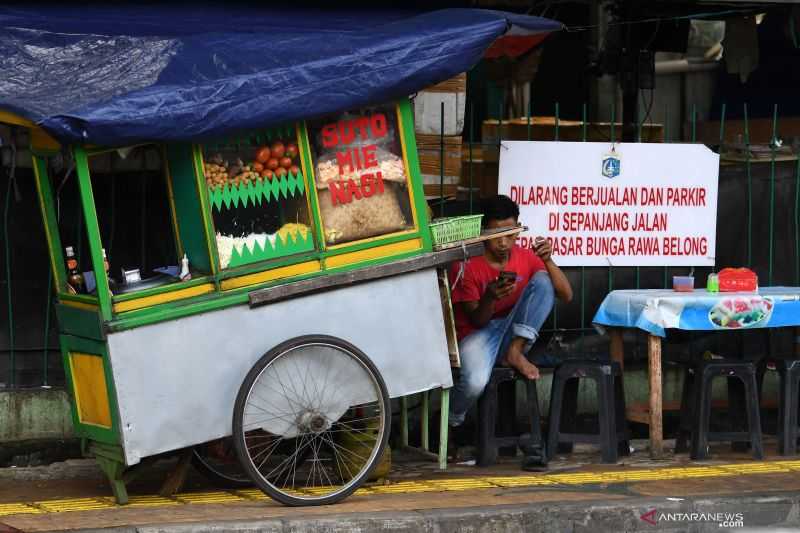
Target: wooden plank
176, 478
331, 281
449, 318
656, 396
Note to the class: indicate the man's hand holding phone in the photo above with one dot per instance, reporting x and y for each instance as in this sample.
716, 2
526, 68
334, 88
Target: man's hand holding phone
543, 248
502, 286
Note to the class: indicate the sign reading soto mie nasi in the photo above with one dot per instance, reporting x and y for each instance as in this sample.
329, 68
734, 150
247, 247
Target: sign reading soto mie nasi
635, 205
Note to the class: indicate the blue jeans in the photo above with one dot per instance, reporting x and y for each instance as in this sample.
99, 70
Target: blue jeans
480, 349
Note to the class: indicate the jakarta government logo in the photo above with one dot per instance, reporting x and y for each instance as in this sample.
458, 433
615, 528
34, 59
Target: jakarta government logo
611, 165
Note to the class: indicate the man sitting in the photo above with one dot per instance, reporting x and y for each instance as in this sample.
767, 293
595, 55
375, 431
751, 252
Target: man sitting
501, 299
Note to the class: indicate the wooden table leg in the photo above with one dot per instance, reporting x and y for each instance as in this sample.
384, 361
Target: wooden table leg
656, 396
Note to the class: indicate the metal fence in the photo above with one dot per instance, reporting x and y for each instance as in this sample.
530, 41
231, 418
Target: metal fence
758, 227
757, 224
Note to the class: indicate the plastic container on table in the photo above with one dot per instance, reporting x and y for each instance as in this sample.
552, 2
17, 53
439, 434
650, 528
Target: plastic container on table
683, 283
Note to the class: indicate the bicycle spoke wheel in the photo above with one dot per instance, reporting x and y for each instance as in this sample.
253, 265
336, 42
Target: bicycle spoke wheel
311, 420
218, 462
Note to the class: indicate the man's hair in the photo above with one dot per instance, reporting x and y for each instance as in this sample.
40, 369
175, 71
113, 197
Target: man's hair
499, 207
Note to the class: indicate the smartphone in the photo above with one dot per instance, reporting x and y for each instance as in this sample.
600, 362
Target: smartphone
507, 277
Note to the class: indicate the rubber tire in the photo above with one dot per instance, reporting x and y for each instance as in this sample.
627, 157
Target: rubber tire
238, 414
219, 480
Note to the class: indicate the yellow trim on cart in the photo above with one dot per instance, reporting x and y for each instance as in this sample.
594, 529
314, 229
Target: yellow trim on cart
149, 301
409, 186
47, 234
309, 267
39, 138
370, 254
79, 305
90, 389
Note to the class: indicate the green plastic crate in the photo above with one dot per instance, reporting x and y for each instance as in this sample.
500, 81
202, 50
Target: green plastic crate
452, 229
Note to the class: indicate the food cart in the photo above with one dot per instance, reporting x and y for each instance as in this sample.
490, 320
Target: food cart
285, 331
299, 290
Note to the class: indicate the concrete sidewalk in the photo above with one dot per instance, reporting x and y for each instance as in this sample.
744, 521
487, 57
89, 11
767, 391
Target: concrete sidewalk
732, 493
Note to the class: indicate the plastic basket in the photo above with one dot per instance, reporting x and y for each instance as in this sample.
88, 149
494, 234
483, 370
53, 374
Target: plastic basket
452, 229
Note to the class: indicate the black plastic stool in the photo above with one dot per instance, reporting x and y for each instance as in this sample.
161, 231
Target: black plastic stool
696, 406
789, 391
488, 440
613, 436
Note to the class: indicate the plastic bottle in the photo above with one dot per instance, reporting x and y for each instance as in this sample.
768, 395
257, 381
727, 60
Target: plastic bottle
712, 284
74, 277
185, 273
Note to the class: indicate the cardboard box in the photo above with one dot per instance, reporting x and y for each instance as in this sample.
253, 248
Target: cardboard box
429, 148
457, 84
428, 112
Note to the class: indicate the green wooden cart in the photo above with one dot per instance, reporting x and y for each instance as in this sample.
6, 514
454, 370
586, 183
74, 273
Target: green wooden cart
311, 299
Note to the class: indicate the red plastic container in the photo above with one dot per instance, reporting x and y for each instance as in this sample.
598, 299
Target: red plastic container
738, 280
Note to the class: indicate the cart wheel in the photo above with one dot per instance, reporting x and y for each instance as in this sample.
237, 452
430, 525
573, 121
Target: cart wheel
218, 462
311, 420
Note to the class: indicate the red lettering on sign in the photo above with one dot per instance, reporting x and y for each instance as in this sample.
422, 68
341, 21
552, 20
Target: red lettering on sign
345, 131
345, 159
329, 136
379, 125
339, 193
344, 192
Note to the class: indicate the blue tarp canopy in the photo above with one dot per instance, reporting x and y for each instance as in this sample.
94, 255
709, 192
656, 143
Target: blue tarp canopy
116, 75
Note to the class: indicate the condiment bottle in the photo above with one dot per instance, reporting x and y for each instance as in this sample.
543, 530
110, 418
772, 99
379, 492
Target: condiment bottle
185, 274
712, 284
105, 261
74, 277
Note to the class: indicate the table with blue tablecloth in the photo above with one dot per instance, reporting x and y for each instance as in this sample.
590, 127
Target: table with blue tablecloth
655, 310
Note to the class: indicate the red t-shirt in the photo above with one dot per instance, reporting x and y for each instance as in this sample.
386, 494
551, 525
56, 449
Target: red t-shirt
478, 274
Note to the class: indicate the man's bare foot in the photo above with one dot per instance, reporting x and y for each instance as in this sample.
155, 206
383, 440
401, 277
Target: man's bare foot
517, 360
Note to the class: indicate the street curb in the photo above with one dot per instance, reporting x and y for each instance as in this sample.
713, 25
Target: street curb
759, 512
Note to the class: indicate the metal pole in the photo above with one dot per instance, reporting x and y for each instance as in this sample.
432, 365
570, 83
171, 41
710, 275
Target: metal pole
441, 161
772, 193
749, 190
471, 141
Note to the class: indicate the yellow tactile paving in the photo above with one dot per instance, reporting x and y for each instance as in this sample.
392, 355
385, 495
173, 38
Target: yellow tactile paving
757, 468
252, 494
405, 486
434, 485
580, 479
461, 484
519, 481
143, 501
18, 508
208, 497
74, 504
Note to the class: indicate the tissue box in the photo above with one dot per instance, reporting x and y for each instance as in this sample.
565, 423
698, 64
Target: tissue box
738, 280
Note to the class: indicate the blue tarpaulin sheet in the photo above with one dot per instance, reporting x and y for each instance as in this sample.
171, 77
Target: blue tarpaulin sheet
115, 75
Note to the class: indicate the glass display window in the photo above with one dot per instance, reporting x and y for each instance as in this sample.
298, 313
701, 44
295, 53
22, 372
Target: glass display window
258, 199
135, 220
360, 174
